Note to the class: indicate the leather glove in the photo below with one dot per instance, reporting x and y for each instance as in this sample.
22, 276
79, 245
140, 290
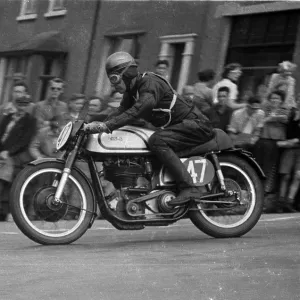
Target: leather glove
95, 127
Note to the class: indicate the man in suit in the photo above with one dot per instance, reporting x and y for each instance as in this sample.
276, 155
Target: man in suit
17, 128
52, 106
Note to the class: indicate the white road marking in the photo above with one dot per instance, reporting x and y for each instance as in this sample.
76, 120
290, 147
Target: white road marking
279, 219
274, 219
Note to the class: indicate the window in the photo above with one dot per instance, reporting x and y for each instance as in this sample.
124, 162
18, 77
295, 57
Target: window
53, 66
129, 43
259, 42
28, 10
178, 50
12, 68
36, 68
56, 8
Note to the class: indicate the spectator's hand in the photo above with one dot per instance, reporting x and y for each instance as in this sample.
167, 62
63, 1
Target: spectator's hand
253, 140
46, 123
95, 127
4, 154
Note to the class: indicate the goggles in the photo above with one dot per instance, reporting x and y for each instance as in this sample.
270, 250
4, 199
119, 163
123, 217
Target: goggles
116, 78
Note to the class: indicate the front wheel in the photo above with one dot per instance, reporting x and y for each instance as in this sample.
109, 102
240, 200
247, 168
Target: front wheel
36, 213
232, 220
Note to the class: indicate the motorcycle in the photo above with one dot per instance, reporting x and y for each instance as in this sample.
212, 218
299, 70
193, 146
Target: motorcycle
64, 198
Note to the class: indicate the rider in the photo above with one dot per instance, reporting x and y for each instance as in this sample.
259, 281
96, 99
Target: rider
151, 97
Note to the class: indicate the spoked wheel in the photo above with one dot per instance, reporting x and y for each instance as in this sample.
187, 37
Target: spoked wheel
235, 215
39, 216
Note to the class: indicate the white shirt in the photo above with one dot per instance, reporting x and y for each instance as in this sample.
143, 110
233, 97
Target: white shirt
233, 91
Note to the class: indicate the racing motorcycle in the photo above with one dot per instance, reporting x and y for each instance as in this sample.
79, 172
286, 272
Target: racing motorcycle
53, 201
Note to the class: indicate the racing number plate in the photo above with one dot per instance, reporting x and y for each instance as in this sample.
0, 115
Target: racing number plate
202, 170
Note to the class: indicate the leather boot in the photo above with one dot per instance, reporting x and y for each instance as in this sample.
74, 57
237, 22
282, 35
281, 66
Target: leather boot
185, 195
183, 178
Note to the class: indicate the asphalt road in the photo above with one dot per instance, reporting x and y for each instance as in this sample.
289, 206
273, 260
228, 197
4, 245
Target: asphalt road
176, 262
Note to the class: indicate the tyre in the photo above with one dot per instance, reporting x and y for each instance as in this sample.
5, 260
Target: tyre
39, 217
227, 220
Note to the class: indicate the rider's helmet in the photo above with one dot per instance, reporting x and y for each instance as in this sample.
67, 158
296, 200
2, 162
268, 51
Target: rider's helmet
118, 65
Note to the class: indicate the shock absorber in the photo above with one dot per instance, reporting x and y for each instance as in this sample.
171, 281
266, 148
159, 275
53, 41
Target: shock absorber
218, 171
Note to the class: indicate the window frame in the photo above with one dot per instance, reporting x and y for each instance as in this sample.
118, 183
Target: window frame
103, 86
24, 15
187, 55
52, 12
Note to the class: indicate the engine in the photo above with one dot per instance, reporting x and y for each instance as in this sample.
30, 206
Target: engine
126, 172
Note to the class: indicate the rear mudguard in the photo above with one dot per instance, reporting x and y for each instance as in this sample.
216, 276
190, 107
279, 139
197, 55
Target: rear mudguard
61, 161
248, 157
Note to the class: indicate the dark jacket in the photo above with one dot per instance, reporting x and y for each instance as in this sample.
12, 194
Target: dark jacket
148, 93
218, 119
20, 135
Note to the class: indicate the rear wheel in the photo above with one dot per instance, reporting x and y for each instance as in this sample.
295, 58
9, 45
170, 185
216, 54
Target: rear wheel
42, 219
226, 220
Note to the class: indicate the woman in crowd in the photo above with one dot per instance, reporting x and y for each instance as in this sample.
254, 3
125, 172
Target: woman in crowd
266, 150
284, 81
231, 75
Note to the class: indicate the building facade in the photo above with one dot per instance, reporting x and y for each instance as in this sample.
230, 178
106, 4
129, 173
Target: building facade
72, 39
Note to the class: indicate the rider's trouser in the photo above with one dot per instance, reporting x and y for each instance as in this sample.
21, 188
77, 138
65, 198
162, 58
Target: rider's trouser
185, 135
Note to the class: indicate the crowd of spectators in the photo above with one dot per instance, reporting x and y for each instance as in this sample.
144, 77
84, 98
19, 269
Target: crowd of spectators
266, 123
29, 131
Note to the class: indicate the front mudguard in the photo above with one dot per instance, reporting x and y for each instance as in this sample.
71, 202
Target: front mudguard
246, 155
61, 161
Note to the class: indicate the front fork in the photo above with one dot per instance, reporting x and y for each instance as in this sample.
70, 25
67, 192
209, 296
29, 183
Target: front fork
67, 169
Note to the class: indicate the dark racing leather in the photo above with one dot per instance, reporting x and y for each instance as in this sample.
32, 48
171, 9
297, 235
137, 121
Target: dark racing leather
221, 141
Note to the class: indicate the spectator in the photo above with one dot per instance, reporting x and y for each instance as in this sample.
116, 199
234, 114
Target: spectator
44, 144
75, 106
231, 75
52, 106
95, 109
203, 92
188, 93
220, 113
20, 89
290, 162
162, 68
284, 81
246, 123
17, 128
266, 151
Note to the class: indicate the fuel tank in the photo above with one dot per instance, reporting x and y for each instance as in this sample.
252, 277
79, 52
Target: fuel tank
125, 140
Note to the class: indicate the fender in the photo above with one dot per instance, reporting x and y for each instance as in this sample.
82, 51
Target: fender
46, 160
249, 158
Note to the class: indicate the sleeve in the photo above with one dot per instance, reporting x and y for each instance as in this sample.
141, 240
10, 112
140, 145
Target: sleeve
259, 123
34, 148
25, 138
142, 107
233, 125
272, 83
233, 96
40, 116
290, 97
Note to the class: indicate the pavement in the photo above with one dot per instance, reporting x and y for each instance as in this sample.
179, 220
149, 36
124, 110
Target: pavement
177, 262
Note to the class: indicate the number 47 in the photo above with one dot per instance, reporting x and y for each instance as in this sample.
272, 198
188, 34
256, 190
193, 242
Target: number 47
191, 169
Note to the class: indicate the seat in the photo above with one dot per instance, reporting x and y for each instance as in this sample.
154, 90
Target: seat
221, 141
